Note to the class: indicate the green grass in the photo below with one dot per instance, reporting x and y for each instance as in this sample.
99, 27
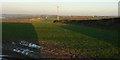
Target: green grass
18, 31
100, 34
88, 41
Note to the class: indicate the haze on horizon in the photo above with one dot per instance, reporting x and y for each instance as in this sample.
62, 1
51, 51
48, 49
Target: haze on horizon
66, 8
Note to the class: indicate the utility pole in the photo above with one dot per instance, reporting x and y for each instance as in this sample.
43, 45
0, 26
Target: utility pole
58, 13
119, 9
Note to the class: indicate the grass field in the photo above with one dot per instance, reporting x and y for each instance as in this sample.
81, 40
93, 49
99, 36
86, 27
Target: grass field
88, 41
18, 31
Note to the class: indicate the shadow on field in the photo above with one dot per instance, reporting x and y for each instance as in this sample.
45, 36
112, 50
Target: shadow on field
17, 32
100, 34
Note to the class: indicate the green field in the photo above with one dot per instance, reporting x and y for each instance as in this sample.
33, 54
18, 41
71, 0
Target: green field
88, 41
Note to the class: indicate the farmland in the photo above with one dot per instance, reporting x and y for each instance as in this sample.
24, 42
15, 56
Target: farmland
79, 40
82, 40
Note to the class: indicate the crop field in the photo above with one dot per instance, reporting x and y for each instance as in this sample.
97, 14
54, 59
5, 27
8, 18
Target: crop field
80, 40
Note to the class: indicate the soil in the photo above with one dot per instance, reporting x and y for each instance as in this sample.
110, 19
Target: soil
59, 53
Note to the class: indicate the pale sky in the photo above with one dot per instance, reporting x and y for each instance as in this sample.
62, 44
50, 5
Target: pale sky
59, 0
67, 7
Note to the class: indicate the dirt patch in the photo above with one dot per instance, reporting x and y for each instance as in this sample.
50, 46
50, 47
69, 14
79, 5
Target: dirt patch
59, 53
56, 50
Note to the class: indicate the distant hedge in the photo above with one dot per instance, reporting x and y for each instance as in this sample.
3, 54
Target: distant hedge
111, 22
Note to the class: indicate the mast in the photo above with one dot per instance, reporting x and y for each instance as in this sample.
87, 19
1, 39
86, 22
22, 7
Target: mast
58, 12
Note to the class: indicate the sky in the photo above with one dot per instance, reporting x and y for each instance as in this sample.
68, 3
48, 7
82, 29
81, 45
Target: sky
66, 7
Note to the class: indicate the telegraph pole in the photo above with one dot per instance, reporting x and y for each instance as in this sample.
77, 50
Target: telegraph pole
58, 13
119, 9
